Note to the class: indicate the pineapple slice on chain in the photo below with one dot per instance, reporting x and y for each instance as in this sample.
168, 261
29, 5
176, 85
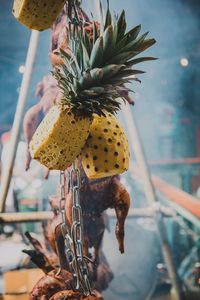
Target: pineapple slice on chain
92, 78
37, 14
59, 138
106, 152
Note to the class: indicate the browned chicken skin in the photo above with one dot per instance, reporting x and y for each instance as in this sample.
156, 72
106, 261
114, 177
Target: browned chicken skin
58, 279
50, 258
50, 284
71, 295
32, 119
96, 197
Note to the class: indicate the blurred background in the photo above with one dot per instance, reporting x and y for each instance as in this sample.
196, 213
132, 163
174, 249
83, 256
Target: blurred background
167, 114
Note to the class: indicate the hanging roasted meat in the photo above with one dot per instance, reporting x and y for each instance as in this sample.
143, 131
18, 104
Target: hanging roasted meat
54, 279
92, 77
50, 284
44, 258
96, 197
72, 295
48, 261
59, 39
102, 274
47, 92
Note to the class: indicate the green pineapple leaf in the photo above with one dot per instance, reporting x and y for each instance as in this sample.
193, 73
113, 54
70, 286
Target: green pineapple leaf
139, 60
98, 65
108, 20
96, 57
121, 24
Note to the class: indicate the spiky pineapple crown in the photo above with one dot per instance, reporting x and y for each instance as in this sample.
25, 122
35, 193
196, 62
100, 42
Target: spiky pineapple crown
94, 71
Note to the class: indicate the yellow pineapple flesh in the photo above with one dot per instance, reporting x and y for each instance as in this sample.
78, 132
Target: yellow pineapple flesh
106, 152
59, 138
37, 14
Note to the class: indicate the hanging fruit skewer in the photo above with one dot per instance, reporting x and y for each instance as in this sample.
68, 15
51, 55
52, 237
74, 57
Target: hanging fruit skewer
93, 63
90, 77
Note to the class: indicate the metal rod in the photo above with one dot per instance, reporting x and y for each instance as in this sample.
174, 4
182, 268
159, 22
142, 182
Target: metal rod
21, 217
178, 196
7, 172
180, 211
137, 149
165, 198
147, 212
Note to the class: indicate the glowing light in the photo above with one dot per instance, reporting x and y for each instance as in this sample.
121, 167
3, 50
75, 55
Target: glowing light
22, 69
184, 62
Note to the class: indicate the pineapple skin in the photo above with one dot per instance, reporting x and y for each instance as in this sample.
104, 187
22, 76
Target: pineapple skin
37, 14
106, 152
59, 138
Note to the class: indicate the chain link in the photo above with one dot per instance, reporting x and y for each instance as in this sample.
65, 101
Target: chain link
62, 195
73, 237
77, 231
64, 227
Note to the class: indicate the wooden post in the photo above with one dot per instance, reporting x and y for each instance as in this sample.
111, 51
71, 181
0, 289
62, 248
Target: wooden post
8, 168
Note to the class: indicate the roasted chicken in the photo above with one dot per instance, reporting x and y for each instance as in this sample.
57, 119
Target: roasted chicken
44, 258
50, 284
72, 295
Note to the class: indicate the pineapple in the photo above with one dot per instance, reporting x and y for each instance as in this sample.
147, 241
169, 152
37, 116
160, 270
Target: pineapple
37, 14
92, 80
53, 143
106, 152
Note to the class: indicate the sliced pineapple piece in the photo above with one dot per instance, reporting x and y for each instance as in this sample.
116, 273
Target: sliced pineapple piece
37, 14
106, 152
59, 138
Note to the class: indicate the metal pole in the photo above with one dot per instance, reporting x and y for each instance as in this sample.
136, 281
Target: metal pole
148, 186
164, 198
21, 217
7, 171
137, 149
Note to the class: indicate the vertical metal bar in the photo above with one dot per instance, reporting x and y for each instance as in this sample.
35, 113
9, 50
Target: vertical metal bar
7, 173
136, 145
149, 189
137, 149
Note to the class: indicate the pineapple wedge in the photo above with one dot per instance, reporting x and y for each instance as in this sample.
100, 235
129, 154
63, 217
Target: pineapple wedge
106, 152
37, 14
59, 138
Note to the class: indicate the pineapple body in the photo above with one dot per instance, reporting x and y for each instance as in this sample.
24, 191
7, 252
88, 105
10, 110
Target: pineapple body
92, 78
106, 152
37, 14
59, 138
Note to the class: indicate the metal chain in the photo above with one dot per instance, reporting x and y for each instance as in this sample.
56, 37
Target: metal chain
64, 227
74, 237
77, 232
